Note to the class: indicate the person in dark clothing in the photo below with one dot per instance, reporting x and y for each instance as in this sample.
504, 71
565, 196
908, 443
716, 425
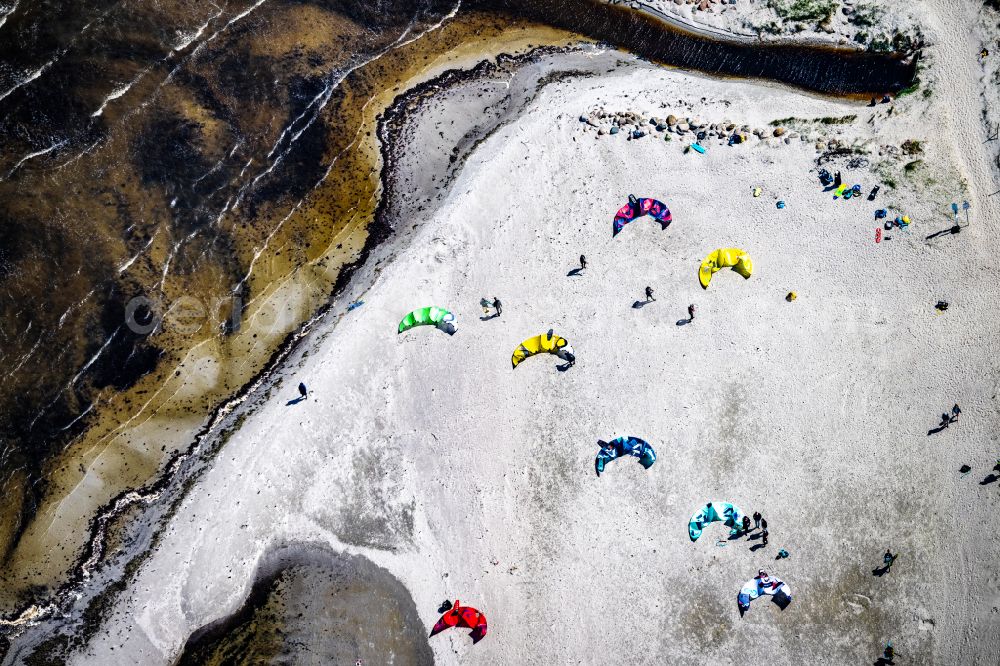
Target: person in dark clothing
763, 536
955, 411
756, 519
837, 179
746, 524
888, 559
303, 391
498, 306
763, 524
649, 294
570, 359
691, 312
583, 263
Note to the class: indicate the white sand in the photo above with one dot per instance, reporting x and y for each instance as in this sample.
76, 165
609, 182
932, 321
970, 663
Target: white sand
814, 413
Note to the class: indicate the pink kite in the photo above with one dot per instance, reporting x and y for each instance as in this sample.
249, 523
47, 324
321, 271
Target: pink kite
636, 208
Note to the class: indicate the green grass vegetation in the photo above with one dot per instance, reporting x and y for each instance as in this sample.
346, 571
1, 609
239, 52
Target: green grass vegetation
867, 15
912, 147
827, 120
887, 171
838, 120
803, 10
911, 88
879, 43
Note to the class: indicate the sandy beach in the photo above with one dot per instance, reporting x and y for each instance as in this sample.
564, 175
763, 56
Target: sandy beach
466, 479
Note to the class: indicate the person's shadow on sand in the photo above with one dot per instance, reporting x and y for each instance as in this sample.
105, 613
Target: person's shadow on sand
564, 367
638, 305
934, 431
954, 229
575, 272
295, 401
757, 546
881, 571
990, 478
684, 322
882, 661
488, 317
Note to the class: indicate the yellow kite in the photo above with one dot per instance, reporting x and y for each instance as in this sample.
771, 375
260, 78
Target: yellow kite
724, 257
546, 342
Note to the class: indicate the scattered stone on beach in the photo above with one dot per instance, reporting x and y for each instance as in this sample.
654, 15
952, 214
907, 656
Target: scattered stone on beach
671, 120
778, 131
614, 129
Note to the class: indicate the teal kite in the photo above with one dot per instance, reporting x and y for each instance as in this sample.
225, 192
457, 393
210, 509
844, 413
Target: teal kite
429, 316
731, 516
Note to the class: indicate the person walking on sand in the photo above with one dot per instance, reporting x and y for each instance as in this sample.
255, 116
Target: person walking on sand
888, 559
837, 180
763, 536
649, 294
498, 306
955, 411
691, 312
763, 524
303, 391
756, 519
746, 524
583, 263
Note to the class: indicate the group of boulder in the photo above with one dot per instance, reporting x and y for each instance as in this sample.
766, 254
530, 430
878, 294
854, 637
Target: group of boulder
636, 126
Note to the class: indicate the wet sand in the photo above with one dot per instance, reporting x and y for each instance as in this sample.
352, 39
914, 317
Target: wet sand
309, 605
